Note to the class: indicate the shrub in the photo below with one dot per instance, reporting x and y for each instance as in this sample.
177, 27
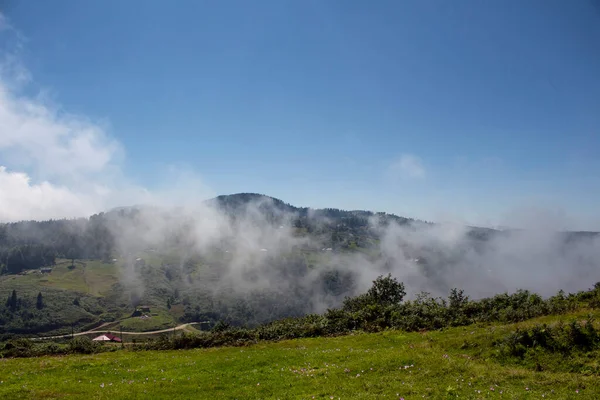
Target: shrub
83, 345
561, 338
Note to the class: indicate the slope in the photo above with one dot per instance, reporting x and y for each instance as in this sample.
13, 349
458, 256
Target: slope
465, 362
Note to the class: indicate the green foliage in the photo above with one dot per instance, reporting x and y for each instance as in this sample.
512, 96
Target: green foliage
380, 309
84, 345
49, 310
386, 291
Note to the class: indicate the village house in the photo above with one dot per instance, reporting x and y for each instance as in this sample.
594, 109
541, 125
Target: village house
108, 337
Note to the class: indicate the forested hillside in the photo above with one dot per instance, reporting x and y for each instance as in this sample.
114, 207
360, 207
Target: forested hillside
249, 259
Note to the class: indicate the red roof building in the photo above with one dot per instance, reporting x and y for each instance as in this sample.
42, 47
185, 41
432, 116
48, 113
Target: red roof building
107, 337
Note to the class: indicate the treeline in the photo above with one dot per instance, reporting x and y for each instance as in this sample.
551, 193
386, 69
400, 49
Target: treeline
381, 307
32, 244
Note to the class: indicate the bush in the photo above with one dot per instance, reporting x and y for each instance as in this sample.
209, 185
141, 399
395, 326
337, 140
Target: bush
84, 345
561, 338
18, 348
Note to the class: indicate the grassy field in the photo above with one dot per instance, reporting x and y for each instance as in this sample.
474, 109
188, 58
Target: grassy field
90, 277
158, 320
458, 362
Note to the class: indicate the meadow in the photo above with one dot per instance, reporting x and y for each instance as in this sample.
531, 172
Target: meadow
471, 362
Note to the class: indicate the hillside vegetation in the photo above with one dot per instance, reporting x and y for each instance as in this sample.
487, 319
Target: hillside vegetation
473, 362
375, 345
246, 260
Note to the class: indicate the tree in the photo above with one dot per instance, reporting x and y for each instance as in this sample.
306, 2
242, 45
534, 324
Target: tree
12, 301
76, 301
169, 303
72, 255
387, 290
40, 301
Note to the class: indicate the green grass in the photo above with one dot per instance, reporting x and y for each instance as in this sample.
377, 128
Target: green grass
159, 320
90, 277
99, 277
392, 364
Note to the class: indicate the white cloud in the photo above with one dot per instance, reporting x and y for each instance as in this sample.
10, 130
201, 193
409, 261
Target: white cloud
59, 164
52, 164
20, 199
51, 144
407, 166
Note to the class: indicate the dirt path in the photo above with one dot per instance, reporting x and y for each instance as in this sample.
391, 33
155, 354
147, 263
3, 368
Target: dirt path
98, 330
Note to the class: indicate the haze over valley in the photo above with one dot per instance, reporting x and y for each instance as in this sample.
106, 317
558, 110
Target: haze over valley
249, 259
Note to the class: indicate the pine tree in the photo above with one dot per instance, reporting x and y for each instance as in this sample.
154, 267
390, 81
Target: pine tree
40, 301
12, 301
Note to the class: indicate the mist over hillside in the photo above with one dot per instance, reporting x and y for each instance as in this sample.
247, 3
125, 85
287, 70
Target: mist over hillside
250, 258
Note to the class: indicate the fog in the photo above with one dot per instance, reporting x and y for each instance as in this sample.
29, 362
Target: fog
258, 249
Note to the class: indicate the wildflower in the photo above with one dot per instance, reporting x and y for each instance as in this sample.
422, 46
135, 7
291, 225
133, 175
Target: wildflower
526, 388
358, 375
102, 385
577, 391
258, 384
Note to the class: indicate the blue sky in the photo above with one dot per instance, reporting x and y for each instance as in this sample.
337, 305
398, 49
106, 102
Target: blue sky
431, 109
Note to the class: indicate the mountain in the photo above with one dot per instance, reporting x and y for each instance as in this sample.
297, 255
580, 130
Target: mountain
249, 258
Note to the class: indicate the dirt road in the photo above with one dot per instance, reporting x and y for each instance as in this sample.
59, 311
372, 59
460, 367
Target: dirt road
99, 331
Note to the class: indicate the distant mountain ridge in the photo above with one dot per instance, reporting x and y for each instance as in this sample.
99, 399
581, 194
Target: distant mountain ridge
238, 201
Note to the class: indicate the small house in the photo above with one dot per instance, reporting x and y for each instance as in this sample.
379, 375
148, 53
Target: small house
45, 270
108, 337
